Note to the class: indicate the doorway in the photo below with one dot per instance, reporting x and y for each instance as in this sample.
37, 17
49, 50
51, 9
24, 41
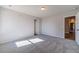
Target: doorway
36, 26
70, 28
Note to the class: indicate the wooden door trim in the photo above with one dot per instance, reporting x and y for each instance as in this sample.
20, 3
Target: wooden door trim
70, 17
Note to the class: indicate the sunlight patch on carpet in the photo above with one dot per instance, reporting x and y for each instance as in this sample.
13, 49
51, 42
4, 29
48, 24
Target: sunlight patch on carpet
36, 40
22, 43
28, 42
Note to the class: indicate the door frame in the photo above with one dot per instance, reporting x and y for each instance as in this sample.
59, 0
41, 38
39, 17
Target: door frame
35, 27
74, 25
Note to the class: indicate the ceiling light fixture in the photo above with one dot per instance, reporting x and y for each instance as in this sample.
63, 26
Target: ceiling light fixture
43, 8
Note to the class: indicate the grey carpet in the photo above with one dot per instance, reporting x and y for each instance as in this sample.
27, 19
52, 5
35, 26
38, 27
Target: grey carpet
49, 45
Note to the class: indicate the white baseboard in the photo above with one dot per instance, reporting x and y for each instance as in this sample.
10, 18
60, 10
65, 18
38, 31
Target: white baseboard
53, 36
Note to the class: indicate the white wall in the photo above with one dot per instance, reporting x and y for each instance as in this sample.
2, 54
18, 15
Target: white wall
54, 25
77, 28
15, 25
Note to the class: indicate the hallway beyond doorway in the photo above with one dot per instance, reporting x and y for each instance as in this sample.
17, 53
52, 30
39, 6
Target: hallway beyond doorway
70, 28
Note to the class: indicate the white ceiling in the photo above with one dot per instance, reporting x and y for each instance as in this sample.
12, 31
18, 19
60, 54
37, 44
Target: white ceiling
35, 10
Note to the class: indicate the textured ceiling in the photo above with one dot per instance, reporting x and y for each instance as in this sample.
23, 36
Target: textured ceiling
35, 10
